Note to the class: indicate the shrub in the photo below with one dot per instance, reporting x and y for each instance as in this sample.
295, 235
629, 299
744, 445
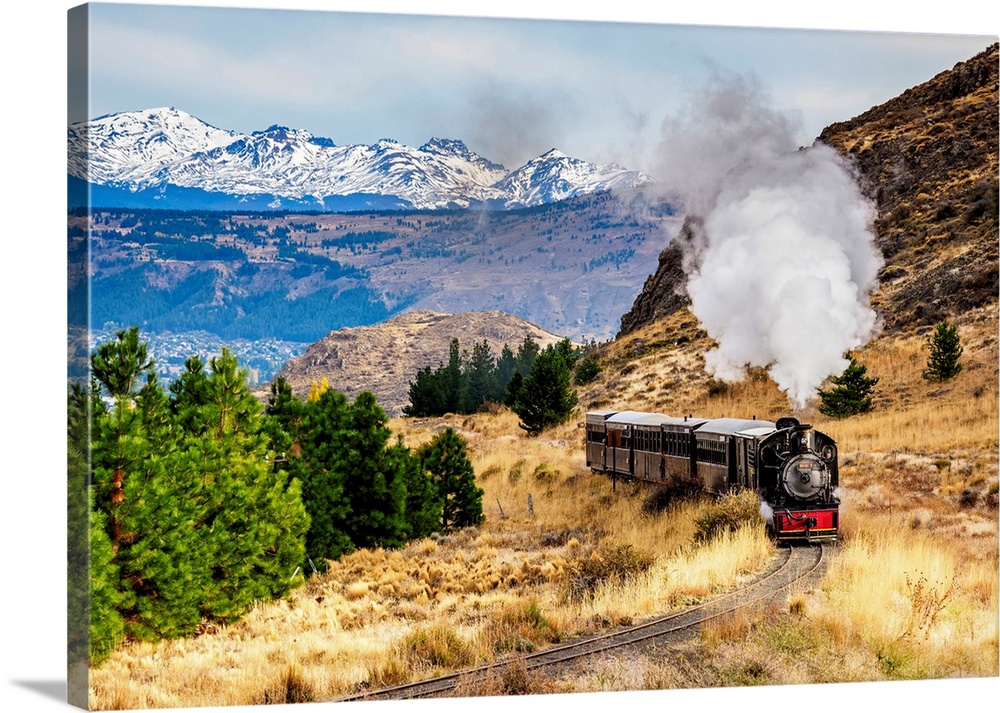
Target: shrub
675, 491
717, 387
521, 628
586, 371
290, 687
608, 564
436, 646
727, 514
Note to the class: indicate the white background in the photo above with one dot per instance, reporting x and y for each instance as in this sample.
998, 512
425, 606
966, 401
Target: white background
32, 172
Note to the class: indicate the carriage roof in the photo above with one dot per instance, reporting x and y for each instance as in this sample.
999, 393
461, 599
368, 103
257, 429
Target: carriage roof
731, 426
636, 418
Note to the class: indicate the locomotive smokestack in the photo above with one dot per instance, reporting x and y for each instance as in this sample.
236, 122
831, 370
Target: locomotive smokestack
783, 261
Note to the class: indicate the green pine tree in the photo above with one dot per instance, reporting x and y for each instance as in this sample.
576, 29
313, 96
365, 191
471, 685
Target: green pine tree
423, 504
945, 351
851, 394
189, 393
447, 461
253, 519
428, 395
587, 370
319, 468
147, 508
188, 511
513, 390
455, 383
144, 508
506, 368
374, 480
118, 364
527, 352
284, 420
481, 375
545, 398
95, 626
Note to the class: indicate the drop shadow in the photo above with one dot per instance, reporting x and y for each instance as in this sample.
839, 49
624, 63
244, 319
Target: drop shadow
50, 689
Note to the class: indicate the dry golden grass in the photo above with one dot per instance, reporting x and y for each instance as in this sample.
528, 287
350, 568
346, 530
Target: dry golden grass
912, 591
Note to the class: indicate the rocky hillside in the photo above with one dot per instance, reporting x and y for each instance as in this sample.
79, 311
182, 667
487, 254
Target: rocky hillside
384, 358
928, 158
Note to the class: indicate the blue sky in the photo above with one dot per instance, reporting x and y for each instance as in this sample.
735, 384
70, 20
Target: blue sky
510, 88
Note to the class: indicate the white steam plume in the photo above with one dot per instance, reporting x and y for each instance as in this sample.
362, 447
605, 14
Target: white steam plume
784, 262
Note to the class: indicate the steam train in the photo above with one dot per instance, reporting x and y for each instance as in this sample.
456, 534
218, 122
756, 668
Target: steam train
791, 466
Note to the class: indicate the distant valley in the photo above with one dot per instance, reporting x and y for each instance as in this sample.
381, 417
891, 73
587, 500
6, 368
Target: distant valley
572, 268
269, 241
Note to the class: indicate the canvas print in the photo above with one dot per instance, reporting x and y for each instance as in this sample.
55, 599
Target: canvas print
425, 356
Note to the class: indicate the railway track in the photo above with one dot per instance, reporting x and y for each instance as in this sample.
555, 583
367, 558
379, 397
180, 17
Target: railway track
797, 565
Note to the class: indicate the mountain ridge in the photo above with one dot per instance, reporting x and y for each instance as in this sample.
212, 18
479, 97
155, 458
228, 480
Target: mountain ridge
158, 154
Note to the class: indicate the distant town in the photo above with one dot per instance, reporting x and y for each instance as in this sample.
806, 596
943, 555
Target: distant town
261, 358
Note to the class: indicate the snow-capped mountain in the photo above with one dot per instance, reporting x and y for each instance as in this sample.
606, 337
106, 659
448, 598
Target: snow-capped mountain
554, 176
164, 152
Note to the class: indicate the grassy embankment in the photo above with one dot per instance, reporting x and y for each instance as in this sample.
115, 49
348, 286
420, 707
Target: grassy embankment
912, 593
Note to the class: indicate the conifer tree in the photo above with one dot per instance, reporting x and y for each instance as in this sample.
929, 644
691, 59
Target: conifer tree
447, 461
527, 352
454, 381
428, 395
284, 419
118, 364
945, 351
95, 626
106, 624
481, 376
374, 480
253, 521
197, 522
564, 348
587, 369
513, 390
506, 368
545, 398
189, 393
160, 561
852, 392
423, 504
318, 468
147, 510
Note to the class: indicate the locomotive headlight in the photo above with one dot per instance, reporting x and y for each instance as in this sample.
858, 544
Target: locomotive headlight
805, 477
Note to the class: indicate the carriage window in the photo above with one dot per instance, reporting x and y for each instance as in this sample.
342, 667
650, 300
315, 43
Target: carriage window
711, 451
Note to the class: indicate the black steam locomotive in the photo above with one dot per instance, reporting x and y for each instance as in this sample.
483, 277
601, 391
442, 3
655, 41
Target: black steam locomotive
790, 465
